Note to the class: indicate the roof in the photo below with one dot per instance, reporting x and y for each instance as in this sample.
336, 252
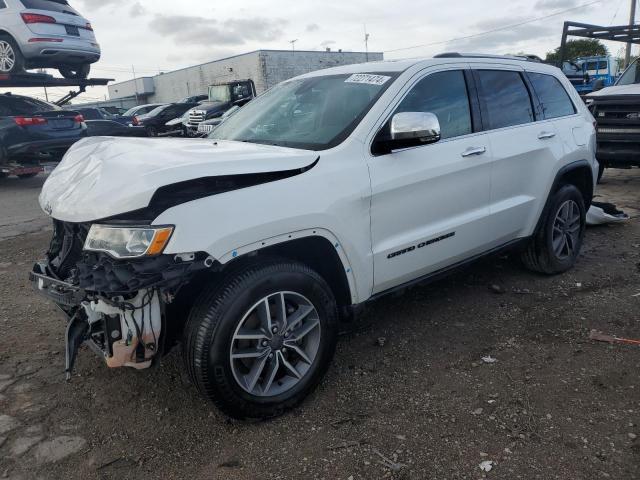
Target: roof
397, 66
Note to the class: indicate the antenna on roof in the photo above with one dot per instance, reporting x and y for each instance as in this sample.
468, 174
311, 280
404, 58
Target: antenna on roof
366, 42
293, 44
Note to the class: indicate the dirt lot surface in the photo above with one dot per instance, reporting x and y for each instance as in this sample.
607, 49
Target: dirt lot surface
20, 210
408, 395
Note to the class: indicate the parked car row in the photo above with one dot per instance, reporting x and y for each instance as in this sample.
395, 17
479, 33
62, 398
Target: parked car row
33, 130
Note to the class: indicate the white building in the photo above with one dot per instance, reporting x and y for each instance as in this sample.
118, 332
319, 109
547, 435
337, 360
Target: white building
265, 67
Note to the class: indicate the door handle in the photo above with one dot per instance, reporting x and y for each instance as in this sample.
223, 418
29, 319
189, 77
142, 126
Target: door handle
473, 151
545, 135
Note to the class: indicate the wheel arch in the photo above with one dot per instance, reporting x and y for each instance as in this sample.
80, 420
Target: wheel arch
4, 31
317, 248
579, 174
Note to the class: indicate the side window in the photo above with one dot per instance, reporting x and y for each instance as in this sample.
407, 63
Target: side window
504, 98
554, 98
2, 4
445, 95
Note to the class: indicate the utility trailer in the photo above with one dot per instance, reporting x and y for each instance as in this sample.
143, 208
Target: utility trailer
21, 167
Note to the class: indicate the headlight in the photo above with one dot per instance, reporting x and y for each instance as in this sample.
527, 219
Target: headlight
128, 242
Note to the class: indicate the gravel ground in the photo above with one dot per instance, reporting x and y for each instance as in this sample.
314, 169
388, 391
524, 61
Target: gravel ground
409, 395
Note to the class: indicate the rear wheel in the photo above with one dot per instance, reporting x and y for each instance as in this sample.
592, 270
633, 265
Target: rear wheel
556, 246
76, 71
11, 59
259, 343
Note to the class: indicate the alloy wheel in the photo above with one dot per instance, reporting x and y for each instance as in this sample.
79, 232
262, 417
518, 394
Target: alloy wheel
275, 344
566, 230
7, 56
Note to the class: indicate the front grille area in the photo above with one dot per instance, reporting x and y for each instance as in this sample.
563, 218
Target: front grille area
622, 113
65, 249
197, 116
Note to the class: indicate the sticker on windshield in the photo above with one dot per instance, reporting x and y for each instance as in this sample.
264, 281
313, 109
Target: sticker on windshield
367, 78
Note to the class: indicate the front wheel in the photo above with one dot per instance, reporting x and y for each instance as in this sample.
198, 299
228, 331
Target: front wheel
259, 343
152, 131
76, 72
556, 245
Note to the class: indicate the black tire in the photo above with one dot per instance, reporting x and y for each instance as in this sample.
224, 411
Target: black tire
601, 172
540, 255
208, 336
76, 71
18, 65
152, 132
24, 176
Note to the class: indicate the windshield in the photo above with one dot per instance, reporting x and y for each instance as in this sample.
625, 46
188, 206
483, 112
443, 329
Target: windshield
312, 113
219, 93
631, 75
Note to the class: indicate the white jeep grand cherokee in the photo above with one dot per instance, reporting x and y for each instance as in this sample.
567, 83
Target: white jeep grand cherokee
250, 246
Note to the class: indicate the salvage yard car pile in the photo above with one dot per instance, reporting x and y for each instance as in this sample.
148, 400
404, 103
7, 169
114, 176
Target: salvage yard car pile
328, 191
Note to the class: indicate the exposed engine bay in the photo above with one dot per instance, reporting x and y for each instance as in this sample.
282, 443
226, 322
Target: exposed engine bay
115, 306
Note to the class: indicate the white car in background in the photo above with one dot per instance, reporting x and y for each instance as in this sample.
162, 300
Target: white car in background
46, 34
326, 192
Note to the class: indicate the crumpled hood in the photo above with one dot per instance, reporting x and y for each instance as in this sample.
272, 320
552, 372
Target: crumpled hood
633, 89
100, 177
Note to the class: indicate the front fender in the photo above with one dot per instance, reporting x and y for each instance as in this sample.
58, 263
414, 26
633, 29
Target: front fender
287, 237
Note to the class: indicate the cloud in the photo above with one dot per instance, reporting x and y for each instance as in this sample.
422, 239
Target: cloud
137, 10
192, 30
508, 40
327, 43
555, 4
96, 4
312, 27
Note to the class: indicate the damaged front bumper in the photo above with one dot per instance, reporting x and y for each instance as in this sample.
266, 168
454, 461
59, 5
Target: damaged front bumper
117, 307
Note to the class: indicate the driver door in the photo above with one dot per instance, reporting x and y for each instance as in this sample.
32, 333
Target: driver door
430, 203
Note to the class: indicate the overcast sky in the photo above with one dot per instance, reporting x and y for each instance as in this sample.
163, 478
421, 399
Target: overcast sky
161, 35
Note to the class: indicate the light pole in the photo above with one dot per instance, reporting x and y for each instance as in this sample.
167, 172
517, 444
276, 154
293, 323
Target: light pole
366, 43
632, 21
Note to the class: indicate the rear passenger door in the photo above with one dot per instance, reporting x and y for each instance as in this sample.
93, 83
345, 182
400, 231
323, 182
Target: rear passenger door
525, 149
429, 203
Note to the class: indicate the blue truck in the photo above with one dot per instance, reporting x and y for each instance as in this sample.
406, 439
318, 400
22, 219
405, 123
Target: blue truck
585, 72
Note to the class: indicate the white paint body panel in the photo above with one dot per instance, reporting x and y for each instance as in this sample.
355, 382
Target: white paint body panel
366, 206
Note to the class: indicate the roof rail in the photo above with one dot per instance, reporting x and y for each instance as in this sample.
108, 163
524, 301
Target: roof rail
530, 58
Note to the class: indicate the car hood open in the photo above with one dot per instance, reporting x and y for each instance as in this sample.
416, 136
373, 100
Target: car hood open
101, 177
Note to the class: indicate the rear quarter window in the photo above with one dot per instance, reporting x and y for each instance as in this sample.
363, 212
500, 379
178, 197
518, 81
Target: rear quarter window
554, 99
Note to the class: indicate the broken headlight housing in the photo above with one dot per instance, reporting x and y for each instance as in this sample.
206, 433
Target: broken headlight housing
128, 242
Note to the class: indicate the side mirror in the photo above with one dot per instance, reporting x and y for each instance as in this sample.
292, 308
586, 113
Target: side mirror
419, 127
598, 85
